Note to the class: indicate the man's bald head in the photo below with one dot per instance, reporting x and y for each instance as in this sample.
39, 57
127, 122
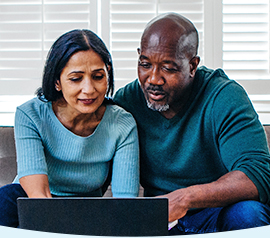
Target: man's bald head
175, 30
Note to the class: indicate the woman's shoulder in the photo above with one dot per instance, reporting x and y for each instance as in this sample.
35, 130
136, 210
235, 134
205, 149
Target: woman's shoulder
118, 122
32, 103
118, 111
34, 108
119, 116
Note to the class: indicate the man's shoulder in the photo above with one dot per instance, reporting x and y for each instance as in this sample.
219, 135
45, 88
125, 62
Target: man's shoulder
206, 73
210, 80
131, 87
128, 94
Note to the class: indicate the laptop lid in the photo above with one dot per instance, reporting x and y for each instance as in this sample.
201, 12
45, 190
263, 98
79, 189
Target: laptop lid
95, 216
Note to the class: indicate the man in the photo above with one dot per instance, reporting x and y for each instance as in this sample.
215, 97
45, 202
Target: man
202, 145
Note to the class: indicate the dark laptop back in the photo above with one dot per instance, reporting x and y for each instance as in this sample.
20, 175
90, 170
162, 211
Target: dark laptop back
95, 216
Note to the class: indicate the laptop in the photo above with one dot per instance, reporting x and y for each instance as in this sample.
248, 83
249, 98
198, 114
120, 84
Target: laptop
108, 216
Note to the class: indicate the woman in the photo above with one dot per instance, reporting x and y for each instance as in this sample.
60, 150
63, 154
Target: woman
69, 137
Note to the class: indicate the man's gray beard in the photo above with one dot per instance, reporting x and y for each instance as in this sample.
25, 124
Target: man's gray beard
159, 108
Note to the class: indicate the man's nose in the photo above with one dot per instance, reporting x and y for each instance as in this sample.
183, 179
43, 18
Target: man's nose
155, 77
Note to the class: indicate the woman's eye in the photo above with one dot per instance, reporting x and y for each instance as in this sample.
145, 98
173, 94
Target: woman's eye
98, 77
74, 79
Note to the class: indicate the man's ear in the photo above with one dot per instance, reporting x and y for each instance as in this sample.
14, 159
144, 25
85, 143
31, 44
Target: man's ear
193, 63
139, 51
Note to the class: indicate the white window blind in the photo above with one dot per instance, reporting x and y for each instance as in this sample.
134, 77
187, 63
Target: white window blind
27, 30
234, 35
20, 45
60, 16
128, 20
246, 39
246, 49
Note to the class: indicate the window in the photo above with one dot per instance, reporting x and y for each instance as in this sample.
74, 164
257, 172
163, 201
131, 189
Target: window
234, 35
27, 30
128, 19
246, 49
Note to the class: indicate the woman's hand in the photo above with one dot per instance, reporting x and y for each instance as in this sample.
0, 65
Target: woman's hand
36, 186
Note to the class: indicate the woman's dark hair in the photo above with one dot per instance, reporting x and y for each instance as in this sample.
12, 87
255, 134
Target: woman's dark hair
63, 48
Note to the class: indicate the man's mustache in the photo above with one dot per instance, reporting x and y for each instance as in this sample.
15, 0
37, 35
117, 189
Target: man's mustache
155, 88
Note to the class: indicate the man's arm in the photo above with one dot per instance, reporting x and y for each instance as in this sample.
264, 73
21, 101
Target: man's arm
232, 187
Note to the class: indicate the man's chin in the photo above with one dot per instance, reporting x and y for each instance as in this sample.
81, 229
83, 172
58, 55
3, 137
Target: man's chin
158, 107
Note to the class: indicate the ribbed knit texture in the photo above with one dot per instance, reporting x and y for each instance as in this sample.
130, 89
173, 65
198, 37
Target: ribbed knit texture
216, 132
77, 165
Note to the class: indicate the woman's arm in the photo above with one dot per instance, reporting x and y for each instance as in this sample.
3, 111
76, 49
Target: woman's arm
31, 163
36, 186
125, 171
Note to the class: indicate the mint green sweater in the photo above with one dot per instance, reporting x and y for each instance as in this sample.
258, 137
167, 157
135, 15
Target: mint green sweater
78, 165
218, 131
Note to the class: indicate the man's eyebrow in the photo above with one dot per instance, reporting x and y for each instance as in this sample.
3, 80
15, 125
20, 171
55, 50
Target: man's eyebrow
143, 57
173, 63
169, 62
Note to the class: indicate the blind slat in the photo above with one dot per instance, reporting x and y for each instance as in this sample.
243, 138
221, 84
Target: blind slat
246, 39
27, 31
128, 20
29, 28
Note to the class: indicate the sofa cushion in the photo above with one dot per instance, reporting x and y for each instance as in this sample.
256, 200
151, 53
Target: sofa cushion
8, 165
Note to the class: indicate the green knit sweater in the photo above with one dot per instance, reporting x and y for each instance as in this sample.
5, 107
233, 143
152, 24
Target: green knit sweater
218, 131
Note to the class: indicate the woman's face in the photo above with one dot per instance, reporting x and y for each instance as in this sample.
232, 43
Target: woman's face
84, 82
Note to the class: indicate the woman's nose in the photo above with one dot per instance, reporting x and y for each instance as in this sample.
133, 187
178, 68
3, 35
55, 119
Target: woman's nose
87, 86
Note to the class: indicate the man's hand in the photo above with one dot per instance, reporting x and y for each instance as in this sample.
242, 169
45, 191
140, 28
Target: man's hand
178, 206
232, 187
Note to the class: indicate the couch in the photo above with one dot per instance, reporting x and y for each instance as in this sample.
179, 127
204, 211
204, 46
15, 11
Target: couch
8, 165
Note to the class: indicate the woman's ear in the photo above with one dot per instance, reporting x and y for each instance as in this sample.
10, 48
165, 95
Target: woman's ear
58, 86
193, 63
109, 67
